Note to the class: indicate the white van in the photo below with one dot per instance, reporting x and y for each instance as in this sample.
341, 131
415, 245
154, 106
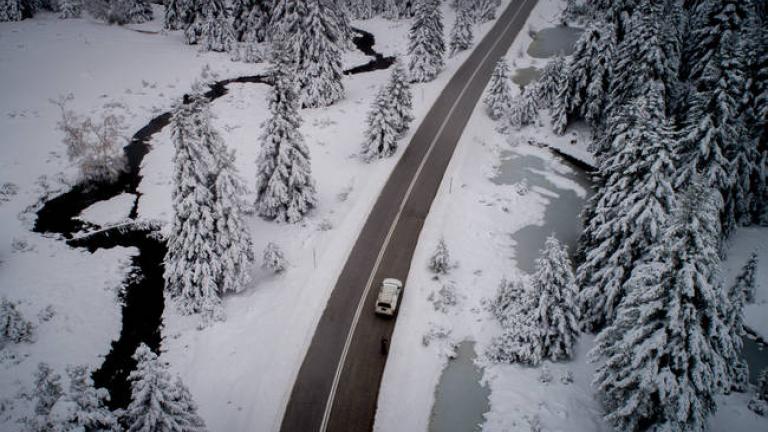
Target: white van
389, 295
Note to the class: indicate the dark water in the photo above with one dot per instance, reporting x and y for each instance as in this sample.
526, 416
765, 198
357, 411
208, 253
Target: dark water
460, 400
552, 41
755, 352
142, 297
525, 76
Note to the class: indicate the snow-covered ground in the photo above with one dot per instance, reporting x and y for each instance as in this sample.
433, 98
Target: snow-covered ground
240, 371
477, 217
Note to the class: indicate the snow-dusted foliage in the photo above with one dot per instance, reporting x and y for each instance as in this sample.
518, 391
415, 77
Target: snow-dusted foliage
120, 11
250, 20
440, 261
47, 392
381, 133
157, 403
95, 145
661, 359
523, 110
552, 91
361, 9
628, 211
273, 259
759, 403
137, 11
179, 14
284, 186
11, 10
485, 10
499, 97
461, 33
83, 407
401, 97
312, 40
70, 9
14, 328
733, 317
521, 342
512, 299
589, 72
209, 247
745, 280
391, 10
426, 47
210, 26
553, 309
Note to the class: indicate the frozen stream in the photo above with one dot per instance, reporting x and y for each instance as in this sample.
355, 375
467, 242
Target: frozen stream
552, 41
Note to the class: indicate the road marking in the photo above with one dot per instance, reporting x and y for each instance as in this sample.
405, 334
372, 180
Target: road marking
360, 305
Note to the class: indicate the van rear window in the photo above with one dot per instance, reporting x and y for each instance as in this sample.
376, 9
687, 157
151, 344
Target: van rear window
385, 305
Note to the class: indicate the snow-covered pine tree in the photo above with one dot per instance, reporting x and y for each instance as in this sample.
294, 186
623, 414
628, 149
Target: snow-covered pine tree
733, 318
193, 269
10, 10
312, 35
48, 391
440, 261
499, 97
485, 10
381, 133
361, 9
70, 9
554, 310
589, 72
660, 368
284, 187
523, 110
233, 240
643, 55
759, 403
401, 97
340, 14
512, 300
407, 8
559, 110
14, 328
157, 404
629, 209
241, 11
209, 24
552, 78
520, 342
273, 259
173, 19
137, 11
426, 47
83, 408
461, 33
745, 280
391, 10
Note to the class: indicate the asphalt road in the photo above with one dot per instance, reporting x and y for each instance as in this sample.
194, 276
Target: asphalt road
338, 384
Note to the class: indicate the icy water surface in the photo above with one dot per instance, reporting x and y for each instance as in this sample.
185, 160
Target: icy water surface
562, 212
460, 400
554, 40
525, 76
756, 354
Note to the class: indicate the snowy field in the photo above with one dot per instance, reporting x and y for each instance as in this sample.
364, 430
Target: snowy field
240, 372
477, 217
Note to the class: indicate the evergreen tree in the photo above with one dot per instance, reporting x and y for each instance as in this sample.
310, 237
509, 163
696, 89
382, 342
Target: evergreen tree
554, 310
629, 209
247, 14
284, 186
407, 8
733, 318
83, 408
426, 47
440, 261
661, 367
401, 97
216, 33
273, 259
157, 404
499, 97
643, 56
461, 33
485, 10
209, 247
589, 72
47, 392
208, 23
70, 9
11, 10
14, 328
391, 10
312, 35
520, 342
340, 14
511, 301
137, 11
715, 24
233, 240
175, 10
745, 280
551, 91
381, 134
523, 110
361, 9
